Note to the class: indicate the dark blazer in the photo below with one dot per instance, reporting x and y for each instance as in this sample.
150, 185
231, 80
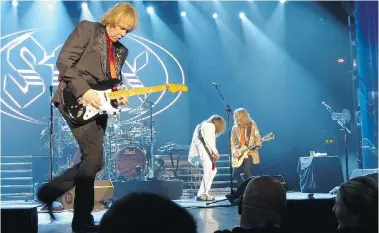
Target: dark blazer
83, 59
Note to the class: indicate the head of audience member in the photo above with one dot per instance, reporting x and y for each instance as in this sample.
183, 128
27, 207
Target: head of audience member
357, 204
146, 213
263, 203
373, 176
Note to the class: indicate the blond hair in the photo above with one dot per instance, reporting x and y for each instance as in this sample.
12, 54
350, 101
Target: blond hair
242, 117
219, 130
121, 12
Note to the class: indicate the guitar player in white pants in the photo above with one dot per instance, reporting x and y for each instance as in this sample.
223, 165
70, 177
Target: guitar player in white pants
203, 150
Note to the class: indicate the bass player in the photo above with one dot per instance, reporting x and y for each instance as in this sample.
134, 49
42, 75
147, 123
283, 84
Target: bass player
245, 132
203, 150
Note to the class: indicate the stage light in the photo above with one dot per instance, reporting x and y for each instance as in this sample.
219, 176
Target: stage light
183, 13
214, 15
242, 15
50, 6
341, 60
14, 3
150, 10
84, 5
282, 1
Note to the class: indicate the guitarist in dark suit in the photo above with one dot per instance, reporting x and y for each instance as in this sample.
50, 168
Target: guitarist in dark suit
245, 132
92, 55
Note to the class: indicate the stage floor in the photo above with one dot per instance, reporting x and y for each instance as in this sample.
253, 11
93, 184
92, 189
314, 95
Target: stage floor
209, 218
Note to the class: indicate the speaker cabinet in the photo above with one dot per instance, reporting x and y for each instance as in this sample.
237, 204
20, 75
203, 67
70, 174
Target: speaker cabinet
104, 191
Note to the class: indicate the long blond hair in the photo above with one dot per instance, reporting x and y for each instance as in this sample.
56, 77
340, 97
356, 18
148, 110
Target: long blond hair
220, 128
242, 117
120, 12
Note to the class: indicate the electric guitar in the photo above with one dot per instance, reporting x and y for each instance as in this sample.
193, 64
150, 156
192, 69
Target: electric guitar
243, 151
80, 112
213, 159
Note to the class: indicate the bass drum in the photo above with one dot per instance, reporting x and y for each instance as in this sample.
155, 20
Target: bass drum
128, 159
77, 159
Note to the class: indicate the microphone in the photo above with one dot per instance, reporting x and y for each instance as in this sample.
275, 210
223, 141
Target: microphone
327, 106
215, 84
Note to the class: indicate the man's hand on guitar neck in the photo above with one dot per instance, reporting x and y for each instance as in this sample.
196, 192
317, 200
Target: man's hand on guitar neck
122, 101
92, 98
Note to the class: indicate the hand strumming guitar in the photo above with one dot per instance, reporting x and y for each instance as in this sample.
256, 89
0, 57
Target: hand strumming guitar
92, 98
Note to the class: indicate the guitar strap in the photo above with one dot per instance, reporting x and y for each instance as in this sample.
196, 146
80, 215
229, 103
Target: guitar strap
201, 138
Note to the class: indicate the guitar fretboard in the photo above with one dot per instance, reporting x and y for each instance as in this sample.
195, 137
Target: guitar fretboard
137, 91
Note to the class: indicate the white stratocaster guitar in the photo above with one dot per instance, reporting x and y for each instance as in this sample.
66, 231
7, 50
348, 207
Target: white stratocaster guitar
243, 152
80, 112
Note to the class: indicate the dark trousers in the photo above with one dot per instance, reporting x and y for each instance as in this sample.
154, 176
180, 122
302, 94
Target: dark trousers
246, 167
82, 175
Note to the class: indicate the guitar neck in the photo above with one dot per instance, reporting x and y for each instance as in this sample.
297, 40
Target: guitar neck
253, 147
137, 91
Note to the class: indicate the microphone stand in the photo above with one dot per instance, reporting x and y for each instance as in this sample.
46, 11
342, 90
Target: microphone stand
228, 111
345, 132
55, 205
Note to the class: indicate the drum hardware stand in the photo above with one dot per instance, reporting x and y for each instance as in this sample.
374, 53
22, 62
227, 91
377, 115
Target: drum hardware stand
342, 119
51, 133
110, 163
106, 173
151, 165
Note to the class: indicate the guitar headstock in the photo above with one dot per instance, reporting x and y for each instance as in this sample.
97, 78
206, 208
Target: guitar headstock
176, 87
268, 137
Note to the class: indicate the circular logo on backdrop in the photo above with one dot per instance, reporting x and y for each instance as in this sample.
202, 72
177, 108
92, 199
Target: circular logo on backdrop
29, 69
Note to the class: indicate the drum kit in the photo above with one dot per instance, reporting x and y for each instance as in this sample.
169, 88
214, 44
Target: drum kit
127, 147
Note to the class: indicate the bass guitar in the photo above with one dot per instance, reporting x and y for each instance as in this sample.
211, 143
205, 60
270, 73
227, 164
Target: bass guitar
243, 151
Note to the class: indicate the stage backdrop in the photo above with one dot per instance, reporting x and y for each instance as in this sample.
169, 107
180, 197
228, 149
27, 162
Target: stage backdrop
280, 62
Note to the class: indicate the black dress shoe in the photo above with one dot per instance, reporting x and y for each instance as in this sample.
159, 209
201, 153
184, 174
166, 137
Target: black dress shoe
44, 195
85, 228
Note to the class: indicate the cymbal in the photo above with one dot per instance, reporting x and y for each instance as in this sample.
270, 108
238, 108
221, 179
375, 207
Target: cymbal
126, 109
138, 111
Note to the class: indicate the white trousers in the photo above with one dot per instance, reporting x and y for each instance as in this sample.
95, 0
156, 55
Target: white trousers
208, 173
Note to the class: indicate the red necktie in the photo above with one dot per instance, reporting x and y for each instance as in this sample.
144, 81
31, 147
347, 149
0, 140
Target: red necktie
111, 59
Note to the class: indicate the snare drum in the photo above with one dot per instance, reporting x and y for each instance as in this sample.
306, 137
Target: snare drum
128, 159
